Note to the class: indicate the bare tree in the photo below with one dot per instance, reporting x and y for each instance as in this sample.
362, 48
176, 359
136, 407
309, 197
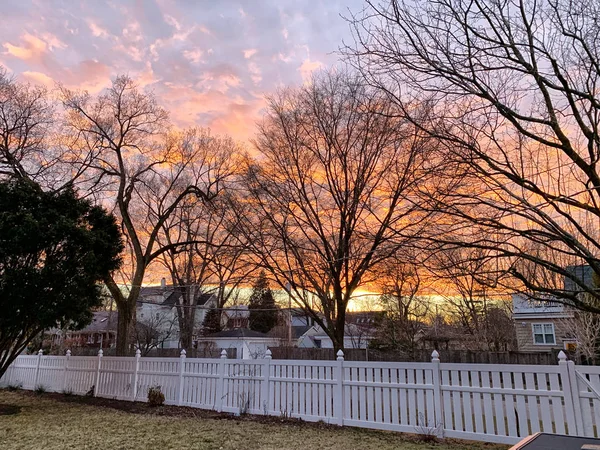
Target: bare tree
510, 90
26, 116
154, 330
214, 264
330, 195
133, 155
465, 278
584, 327
406, 308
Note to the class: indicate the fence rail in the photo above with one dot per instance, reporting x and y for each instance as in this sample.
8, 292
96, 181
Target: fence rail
486, 402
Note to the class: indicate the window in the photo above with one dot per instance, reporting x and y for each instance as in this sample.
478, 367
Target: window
543, 333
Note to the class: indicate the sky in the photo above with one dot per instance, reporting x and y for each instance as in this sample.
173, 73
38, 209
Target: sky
211, 63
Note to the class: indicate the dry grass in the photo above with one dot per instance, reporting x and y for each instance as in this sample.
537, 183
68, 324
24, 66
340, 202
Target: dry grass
45, 423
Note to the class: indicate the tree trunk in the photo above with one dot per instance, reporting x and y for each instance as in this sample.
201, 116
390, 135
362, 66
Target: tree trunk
185, 334
124, 329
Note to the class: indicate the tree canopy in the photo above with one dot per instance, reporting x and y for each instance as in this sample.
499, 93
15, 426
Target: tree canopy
54, 249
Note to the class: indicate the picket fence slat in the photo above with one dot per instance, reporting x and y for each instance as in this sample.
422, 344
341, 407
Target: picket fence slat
486, 402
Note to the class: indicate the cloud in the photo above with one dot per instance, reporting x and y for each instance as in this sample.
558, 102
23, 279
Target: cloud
97, 30
194, 55
308, 67
39, 78
249, 53
209, 64
30, 48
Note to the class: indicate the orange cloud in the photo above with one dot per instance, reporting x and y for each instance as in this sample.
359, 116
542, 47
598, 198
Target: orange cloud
31, 48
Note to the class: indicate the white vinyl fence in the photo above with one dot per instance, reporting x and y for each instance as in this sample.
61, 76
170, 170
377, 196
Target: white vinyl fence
485, 402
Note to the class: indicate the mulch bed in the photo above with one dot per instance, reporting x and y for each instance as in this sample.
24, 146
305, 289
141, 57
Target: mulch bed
173, 411
7, 410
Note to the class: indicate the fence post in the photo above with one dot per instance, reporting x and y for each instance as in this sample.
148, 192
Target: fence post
37, 368
65, 369
136, 369
576, 398
266, 367
181, 371
338, 400
97, 385
573, 411
220, 381
437, 390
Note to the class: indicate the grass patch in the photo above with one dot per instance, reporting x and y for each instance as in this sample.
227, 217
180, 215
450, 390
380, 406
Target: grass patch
72, 425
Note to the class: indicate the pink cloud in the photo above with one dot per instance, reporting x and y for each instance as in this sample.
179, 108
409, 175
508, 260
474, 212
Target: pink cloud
31, 48
308, 67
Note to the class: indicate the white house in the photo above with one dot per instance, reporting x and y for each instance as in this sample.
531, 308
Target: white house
157, 307
248, 344
354, 337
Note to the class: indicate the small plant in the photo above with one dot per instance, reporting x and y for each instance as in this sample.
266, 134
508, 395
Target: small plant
67, 392
15, 387
244, 404
155, 396
91, 392
428, 434
40, 389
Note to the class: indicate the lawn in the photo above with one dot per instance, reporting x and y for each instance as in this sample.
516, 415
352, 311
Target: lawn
51, 422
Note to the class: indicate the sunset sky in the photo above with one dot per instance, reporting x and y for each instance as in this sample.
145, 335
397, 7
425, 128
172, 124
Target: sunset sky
210, 63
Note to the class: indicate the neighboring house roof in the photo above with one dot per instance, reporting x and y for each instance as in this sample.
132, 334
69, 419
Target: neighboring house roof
169, 295
350, 330
237, 312
281, 331
103, 321
239, 333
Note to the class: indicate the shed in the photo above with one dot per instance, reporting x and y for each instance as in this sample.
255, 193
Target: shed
249, 344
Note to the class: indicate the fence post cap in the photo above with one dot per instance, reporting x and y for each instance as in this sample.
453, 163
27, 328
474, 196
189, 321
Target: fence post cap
268, 354
223, 354
40, 352
340, 355
435, 356
100, 352
138, 353
68, 352
183, 353
562, 357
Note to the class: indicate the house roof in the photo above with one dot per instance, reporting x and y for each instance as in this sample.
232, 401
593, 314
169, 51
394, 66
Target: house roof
239, 333
281, 331
237, 312
102, 321
171, 294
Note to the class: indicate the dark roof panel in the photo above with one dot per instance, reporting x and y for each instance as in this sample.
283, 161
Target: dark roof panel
238, 333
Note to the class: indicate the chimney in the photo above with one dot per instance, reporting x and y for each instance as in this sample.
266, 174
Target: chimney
163, 283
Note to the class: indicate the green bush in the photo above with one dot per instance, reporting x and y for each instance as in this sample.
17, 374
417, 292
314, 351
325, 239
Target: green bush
155, 396
40, 389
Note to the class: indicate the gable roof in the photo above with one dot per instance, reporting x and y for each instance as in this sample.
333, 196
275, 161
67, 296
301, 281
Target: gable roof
171, 295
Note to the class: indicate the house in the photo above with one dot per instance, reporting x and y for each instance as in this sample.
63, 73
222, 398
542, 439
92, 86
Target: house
248, 344
157, 309
541, 324
237, 316
100, 333
354, 337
